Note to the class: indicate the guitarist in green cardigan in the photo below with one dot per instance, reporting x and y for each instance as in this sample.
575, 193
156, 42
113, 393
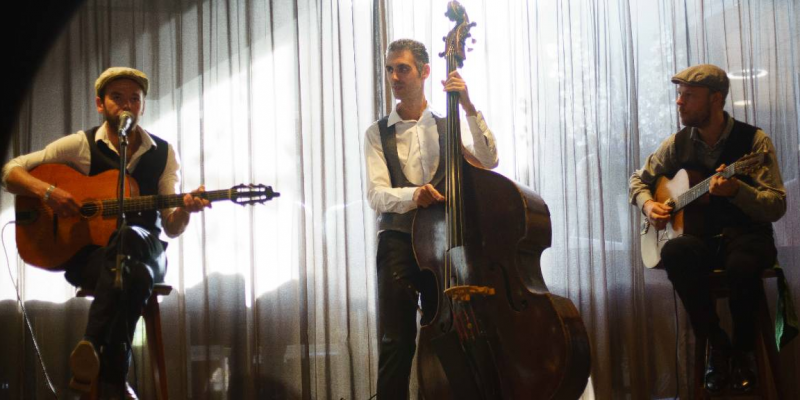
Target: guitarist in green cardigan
103, 356
737, 227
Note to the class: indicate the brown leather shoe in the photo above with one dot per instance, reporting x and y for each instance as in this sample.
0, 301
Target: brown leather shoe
85, 365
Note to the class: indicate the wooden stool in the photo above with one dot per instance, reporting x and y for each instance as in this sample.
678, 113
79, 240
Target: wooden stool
765, 341
155, 342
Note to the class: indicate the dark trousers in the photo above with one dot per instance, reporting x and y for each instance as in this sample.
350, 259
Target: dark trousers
398, 280
113, 314
689, 261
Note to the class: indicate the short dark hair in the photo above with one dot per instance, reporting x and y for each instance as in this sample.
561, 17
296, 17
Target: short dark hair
416, 48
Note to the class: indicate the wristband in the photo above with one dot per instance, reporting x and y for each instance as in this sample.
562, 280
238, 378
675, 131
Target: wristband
47, 193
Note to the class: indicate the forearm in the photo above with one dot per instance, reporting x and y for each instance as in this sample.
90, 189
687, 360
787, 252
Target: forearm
638, 191
761, 205
21, 182
175, 222
483, 145
765, 199
389, 199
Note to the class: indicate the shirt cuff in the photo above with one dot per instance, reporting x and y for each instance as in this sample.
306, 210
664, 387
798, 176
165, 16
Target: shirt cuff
407, 194
405, 200
642, 198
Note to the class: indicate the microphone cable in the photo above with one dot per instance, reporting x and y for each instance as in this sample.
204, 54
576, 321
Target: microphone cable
25, 313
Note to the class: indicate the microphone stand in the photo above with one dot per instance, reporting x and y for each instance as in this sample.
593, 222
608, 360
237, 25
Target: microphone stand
126, 125
121, 220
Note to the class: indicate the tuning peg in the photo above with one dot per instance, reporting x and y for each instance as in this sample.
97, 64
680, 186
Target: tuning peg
444, 38
474, 41
470, 50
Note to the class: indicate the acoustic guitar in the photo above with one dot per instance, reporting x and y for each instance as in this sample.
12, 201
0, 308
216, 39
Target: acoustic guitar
678, 194
47, 241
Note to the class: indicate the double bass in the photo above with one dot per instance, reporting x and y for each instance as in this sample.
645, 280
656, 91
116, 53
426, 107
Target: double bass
490, 328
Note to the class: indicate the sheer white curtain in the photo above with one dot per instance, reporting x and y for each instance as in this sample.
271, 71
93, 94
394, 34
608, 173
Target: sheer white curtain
277, 300
578, 94
273, 300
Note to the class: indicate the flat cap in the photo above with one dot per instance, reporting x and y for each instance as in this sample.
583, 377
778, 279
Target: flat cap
707, 75
115, 73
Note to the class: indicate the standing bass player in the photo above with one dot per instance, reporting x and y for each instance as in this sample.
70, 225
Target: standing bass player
104, 353
737, 225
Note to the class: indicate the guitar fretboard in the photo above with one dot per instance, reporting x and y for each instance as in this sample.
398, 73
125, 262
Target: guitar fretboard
110, 207
701, 188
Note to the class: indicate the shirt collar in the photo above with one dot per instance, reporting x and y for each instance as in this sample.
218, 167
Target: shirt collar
102, 136
394, 117
726, 132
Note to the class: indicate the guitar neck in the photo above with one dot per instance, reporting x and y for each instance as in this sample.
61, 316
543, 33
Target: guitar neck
158, 202
701, 188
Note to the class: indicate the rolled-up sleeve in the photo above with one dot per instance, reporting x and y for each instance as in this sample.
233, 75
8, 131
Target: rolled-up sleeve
71, 150
662, 162
482, 145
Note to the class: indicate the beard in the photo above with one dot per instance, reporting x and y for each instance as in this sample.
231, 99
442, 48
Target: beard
698, 118
113, 121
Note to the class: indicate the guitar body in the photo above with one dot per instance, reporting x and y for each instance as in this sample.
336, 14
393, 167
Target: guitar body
48, 241
686, 221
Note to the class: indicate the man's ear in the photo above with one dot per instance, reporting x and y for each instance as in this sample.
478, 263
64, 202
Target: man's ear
99, 103
717, 97
426, 71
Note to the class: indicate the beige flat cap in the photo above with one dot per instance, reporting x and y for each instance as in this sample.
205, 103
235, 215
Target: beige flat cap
115, 73
707, 75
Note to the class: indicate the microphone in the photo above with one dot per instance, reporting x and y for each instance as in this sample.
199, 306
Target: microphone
125, 123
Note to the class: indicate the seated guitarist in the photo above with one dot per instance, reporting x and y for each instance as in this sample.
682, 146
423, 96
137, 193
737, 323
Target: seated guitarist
105, 350
738, 225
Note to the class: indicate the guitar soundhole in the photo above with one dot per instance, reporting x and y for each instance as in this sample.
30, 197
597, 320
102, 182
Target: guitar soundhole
27, 217
90, 209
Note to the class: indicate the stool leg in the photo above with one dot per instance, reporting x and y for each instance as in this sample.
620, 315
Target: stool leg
155, 345
766, 338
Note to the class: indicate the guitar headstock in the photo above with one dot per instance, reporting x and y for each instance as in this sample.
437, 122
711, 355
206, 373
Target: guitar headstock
750, 163
456, 38
252, 194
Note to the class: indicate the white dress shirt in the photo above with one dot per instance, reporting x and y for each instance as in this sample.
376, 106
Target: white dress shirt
418, 151
73, 150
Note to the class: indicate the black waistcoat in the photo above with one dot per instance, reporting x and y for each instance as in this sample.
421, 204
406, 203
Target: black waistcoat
147, 173
403, 222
